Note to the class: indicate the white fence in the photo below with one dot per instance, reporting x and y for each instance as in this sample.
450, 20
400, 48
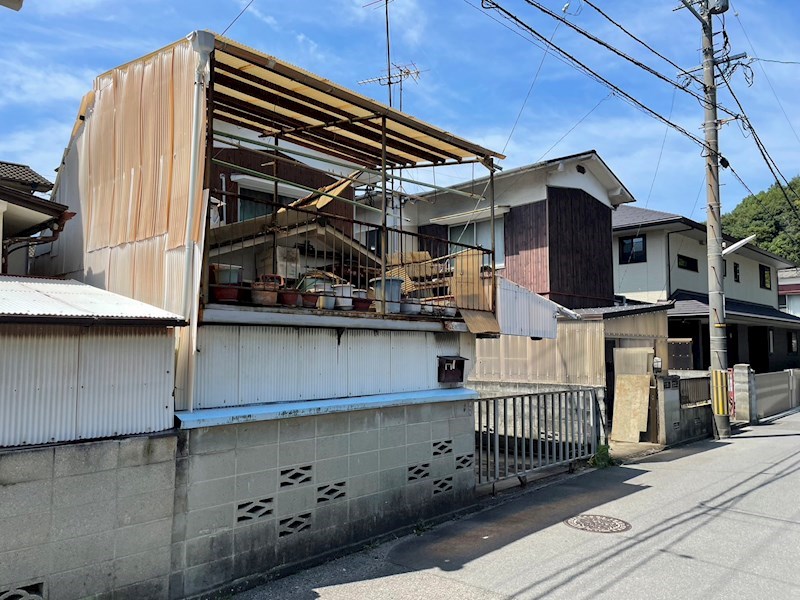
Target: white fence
776, 392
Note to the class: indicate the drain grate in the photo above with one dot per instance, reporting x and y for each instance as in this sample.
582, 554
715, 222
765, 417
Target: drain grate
598, 524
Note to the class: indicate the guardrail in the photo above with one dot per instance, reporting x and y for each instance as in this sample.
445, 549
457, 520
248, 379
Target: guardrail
516, 435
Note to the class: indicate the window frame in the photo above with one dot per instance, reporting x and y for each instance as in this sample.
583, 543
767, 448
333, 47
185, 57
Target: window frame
690, 263
764, 284
737, 275
791, 342
634, 256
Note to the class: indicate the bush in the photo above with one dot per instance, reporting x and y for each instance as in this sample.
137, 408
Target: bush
602, 458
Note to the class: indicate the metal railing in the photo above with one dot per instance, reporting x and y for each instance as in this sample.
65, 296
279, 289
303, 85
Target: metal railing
310, 249
515, 435
695, 390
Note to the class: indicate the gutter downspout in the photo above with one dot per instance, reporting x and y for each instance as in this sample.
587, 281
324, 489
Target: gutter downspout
203, 44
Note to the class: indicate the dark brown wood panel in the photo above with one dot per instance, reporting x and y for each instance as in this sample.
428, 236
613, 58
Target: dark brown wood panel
580, 260
437, 247
526, 246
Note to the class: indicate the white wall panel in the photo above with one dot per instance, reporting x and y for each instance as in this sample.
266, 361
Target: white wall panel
217, 362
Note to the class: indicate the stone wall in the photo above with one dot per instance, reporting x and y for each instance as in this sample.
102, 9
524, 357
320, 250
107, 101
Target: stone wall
257, 497
90, 518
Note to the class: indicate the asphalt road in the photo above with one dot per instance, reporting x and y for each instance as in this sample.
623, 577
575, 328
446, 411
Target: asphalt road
715, 519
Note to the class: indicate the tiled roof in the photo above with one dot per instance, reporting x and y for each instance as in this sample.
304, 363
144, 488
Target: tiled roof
631, 216
692, 304
23, 174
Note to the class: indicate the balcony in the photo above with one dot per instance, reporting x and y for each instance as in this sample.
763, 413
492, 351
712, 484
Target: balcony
309, 263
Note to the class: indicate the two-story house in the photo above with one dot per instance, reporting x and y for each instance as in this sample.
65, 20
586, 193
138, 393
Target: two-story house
662, 256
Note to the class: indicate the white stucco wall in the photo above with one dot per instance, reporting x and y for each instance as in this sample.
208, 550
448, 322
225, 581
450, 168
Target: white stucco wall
645, 281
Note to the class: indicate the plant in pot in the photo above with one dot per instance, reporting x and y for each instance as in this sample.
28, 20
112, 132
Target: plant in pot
265, 289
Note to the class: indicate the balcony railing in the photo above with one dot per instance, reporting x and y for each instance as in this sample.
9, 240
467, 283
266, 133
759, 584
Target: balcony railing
307, 258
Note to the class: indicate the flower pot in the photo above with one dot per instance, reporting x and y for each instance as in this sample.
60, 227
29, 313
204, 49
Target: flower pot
394, 287
344, 296
225, 293
326, 301
289, 297
309, 299
226, 274
410, 306
359, 293
264, 297
361, 304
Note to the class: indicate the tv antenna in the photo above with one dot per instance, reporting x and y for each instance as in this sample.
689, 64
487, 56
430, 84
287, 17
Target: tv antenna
396, 76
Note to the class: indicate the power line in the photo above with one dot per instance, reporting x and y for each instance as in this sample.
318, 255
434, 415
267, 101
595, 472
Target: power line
241, 12
571, 129
580, 66
619, 52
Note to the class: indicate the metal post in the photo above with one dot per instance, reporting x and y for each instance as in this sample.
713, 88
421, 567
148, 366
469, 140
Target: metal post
494, 253
716, 296
383, 211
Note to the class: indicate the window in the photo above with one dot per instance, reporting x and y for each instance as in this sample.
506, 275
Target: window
255, 203
771, 340
632, 250
687, 262
764, 277
480, 234
724, 268
736, 272
791, 341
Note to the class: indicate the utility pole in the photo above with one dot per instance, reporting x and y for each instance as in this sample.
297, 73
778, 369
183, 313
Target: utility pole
718, 338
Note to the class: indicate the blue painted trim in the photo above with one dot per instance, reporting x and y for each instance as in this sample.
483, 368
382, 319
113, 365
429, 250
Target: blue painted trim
210, 417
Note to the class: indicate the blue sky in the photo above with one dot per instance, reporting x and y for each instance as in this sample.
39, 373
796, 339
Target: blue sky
476, 75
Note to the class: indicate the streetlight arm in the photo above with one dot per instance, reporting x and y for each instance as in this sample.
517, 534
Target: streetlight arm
737, 245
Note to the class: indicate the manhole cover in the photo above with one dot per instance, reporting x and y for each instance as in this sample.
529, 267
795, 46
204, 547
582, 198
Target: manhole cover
598, 524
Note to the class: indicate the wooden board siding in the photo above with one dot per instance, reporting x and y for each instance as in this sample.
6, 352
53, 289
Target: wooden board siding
580, 257
526, 244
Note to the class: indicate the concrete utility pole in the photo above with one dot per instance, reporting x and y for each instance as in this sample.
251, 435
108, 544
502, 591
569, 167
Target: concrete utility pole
718, 339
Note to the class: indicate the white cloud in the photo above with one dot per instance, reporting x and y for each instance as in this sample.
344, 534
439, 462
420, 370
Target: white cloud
39, 84
40, 145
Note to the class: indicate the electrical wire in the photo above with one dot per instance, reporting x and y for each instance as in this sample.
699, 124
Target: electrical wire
241, 12
571, 129
620, 53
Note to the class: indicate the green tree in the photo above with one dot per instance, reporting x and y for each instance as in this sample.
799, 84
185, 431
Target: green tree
769, 217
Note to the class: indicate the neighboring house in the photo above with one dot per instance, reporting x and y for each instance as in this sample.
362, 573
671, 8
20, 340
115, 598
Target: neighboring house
662, 256
24, 216
552, 226
304, 428
789, 290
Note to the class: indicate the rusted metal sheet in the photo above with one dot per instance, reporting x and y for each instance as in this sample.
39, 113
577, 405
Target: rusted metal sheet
62, 382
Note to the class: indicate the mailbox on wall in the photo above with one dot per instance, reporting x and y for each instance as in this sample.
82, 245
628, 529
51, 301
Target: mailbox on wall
451, 369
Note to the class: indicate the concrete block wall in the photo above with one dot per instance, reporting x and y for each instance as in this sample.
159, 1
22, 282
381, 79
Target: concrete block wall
91, 519
252, 498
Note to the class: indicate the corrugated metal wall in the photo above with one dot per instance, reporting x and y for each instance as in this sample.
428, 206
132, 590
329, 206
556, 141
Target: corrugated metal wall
60, 383
576, 356
522, 312
240, 365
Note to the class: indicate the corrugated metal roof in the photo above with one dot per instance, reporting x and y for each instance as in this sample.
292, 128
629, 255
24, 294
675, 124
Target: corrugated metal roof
25, 299
23, 174
611, 312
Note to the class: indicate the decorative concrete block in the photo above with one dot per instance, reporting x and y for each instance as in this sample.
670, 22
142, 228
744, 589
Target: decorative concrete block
141, 567
24, 530
212, 439
367, 462
210, 493
295, 501
395, 415
208, 548
332, 446
142, 537
364, 485
332, 469
416, 453
300, 428
154, 589
364, 441
82, 583
146, 450
361, 420
209, 521
333, 424
17, 466
418, 432
256, 458
256, 485
83, 489
23, 565
464, 444
146, 507
75, 553
257, 433
85, 457
443, 466
86, 519
204, 467
205, 577
146, 478
294, 453
393, 457
392, 437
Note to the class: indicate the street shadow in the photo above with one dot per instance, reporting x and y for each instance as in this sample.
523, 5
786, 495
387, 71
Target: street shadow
678, 452
450, 548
